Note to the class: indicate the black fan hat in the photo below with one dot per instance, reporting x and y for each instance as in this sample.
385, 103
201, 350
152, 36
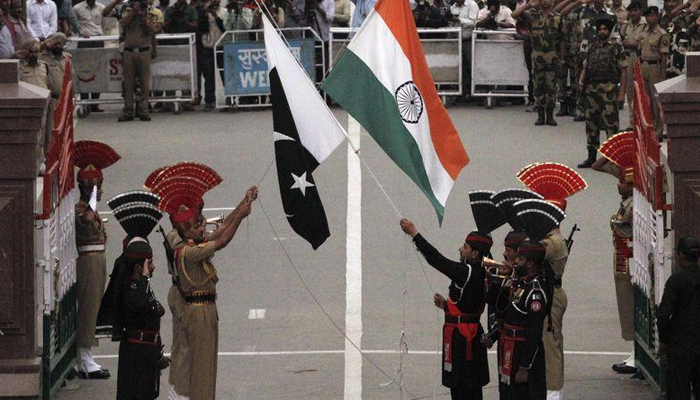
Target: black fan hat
538, 217
486, 215
504, 201
131, 197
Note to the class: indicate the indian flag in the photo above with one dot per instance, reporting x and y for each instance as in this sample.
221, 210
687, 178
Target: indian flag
382, 80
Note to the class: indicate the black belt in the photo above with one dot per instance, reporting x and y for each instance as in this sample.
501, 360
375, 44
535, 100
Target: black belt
200, 298
651, 62
461, 319
142, 336
514, 332
137, 49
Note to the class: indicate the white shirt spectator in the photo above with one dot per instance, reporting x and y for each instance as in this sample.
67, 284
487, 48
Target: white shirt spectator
467, 12
7, 50
324, 23
42, 18
362, 9
503, 15
90, 18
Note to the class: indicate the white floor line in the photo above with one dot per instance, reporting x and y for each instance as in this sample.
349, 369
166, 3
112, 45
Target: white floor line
353, 271
339, 352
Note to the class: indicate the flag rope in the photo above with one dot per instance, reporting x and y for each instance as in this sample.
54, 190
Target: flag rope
318, 303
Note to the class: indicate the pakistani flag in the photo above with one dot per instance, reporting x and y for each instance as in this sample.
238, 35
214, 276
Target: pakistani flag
305, 134
383, 81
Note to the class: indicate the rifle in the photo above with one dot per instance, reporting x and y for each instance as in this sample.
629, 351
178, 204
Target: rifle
570, 240
169, 253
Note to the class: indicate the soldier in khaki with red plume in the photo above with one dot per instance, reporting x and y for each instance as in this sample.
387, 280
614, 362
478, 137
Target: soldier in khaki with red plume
202, 178
182, 198
555, 183
90, 238
618, 160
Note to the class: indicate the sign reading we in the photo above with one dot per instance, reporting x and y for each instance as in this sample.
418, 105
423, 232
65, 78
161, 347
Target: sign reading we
245, 65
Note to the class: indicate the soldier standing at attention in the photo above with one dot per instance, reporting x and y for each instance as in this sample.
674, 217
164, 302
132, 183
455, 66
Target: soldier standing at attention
138, 24
603, 78
653, 51
619, 10
548, 46
618, 160
90, 239
630, 33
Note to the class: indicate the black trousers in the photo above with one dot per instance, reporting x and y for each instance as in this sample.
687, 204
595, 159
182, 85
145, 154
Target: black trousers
465, 391
206, 69
683, 372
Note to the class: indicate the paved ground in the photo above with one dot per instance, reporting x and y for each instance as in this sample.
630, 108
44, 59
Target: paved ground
296, 351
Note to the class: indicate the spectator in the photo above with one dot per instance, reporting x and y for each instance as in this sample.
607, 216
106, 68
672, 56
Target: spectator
238, 17
275, 13
91, 21
294, 16
342, 13
15, 22
678, 321
494, 17
362, 9
112, 12
7, 48
444, 8
466, 12
427, 15
210, 30
42, 18
321, 18
179, 18
67, 21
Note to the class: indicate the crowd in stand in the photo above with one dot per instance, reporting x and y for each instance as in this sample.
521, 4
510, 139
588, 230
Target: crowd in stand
24, 24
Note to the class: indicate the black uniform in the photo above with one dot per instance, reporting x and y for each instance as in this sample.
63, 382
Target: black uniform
678, 321
520, 341
465, 367
140, 348
498, 298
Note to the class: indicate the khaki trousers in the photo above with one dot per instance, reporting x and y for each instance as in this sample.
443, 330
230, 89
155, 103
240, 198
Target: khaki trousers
652, 76
91, 277
625, 304
179, 376
554, 341
136, 64
201, 330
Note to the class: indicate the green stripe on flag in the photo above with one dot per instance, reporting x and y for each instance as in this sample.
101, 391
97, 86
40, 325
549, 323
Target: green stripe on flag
353, 85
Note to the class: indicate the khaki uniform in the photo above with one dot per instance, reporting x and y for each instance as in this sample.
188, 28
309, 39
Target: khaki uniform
136, 61
654, 42
621, 225
631, 31
620, 13
553, 340
36, 75
179, 375
91, 273
56, 69
200, 319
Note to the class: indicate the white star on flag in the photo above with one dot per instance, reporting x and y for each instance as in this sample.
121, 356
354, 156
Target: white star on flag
301, 183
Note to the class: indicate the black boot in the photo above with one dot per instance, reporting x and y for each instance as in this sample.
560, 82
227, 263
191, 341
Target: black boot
563, 109
572, 107
540, 116
550, 117
587, 163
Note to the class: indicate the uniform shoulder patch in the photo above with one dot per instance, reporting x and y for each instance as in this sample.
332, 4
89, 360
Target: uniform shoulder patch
535, 306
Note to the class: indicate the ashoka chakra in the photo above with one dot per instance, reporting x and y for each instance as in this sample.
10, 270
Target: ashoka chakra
410, 102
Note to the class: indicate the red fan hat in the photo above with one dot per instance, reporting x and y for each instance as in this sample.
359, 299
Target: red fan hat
555, 182
621, 150
182, 198
91, 158
190, 169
